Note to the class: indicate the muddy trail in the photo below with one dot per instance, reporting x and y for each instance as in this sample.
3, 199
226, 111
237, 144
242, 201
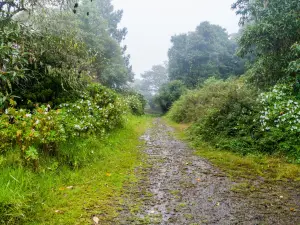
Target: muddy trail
178, 187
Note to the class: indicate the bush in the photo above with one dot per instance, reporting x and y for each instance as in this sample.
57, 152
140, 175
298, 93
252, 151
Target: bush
98, 111
280, 120
220, 111
232, 116
136, 104
169, 93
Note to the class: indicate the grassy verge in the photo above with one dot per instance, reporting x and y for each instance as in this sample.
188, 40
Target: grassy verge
237, 166
62, 195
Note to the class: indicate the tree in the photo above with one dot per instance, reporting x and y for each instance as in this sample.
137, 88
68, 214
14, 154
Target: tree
101, 34
53, 55
169, 93
271, 28
151, 81
206, 52
9, 8
155, 78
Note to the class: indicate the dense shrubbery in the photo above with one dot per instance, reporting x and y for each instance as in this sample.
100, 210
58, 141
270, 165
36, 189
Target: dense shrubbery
42, 129
232, 116
136, 104
169, 93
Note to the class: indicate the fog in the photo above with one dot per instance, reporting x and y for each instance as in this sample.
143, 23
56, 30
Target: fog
151, 23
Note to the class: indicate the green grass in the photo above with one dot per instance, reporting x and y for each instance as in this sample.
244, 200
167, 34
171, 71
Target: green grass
90, 184
236, 166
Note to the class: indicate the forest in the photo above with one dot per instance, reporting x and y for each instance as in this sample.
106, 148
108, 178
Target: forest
74, 116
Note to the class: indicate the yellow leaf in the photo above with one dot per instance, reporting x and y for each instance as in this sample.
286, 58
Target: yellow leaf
108, 174
19, 132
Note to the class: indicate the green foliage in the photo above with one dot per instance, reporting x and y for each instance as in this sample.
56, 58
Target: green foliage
102, 36
90, 165
206, 52
280, 119
37, 66
273, 27
99, 111
230, 115
154, 78
204, 100
150, 83
169, 93
218, 109
136, 104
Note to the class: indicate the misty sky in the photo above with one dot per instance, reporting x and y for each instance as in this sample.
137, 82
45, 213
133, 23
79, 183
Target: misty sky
151, 23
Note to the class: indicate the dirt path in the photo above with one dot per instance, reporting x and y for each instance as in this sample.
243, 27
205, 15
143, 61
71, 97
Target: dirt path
181, 188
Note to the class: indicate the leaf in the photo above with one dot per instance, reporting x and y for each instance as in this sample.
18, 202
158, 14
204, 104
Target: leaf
96, 220
108, 174
19, 132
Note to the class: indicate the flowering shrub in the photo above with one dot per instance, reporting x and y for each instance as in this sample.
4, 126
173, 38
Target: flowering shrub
135, 104
30, 130
229, 115
281, 110
99, 110
280, 121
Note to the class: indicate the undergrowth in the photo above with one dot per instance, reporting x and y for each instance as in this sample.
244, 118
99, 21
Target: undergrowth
70, 193
236, 166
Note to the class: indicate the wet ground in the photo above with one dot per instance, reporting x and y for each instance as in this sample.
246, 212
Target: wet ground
178, 187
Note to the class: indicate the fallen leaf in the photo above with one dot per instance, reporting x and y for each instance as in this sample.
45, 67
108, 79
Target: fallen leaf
70, 187
218, 203
280, 196
292, 209
96, 220
62, 188
198, 179
108, 174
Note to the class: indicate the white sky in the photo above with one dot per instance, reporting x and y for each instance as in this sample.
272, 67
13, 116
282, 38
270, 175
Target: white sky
151, 23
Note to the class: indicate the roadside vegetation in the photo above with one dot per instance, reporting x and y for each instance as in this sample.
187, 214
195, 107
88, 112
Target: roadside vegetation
248, 105
71, 112
240, 167
69, 122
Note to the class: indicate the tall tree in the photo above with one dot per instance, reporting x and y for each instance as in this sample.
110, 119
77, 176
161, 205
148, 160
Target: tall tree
206, 52
151, 82
155, 78
271, 28
101, 34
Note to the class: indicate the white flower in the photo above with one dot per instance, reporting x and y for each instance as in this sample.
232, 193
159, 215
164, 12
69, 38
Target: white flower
28, 115
77, 127
37, 122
